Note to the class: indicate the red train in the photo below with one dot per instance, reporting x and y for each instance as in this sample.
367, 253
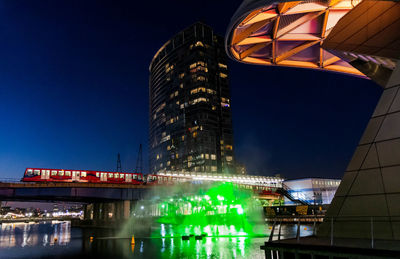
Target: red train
86, 176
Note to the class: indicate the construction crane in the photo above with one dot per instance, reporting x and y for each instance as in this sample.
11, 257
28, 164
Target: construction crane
119, 167
139, 161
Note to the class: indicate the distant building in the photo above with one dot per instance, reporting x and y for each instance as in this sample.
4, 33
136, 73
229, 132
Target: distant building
190, 108
312, 190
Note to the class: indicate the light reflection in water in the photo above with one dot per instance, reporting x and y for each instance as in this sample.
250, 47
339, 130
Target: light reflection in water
33, 234
38, 238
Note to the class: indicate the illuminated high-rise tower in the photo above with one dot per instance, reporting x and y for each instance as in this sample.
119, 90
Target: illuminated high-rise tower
190, 108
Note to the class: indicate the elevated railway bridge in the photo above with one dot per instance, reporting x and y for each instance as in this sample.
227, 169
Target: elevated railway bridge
113, 201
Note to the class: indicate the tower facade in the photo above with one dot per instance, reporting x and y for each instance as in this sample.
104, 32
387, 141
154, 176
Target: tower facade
190, 108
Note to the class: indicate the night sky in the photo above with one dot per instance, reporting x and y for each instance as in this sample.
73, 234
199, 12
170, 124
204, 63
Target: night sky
74, 91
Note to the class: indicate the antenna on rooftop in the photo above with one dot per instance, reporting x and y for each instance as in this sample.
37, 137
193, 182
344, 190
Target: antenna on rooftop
119, 167
139, 161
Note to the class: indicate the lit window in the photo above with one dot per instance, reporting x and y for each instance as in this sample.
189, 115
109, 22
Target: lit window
53, 172
207, 156
213, 157
97, 174
176, 93
222, 75
121, 176
213, 168
134, 177
83, 174
61, 173
222, 66
200, 78
36, 172
181, 75
116, 175
210, 91
229, 158
168, 163
181, 85
228, 147
199, 44
110, 175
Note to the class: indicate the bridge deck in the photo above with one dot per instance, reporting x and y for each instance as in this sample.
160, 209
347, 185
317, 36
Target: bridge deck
71, 185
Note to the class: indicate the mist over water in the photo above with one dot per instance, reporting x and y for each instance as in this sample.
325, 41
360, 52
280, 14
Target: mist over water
188, 210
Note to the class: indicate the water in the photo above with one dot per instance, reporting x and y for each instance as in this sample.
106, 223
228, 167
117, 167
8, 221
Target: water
58, 239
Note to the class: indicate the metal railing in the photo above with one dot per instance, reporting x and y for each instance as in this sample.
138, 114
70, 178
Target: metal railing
287, 191
271, 235
369, 226
10, 180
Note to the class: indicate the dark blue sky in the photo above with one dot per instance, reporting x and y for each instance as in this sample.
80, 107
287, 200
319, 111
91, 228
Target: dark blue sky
74, 91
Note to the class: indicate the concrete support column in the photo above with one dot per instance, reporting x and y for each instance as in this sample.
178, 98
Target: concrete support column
111, 209
126, 209
96, 212
88, 212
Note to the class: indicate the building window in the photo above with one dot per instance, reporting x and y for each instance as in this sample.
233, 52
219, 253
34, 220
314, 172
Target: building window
200, 78
213, 157
222, 75
222, 66
213, 168
229, 158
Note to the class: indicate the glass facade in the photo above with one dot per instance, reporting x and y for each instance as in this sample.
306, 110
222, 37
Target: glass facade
190, 108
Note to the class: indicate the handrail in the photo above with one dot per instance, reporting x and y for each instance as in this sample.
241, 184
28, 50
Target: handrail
287, 192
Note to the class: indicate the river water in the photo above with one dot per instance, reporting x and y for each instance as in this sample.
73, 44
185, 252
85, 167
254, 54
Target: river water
57, 239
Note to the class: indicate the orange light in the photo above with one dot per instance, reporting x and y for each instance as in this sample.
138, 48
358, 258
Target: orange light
290, 34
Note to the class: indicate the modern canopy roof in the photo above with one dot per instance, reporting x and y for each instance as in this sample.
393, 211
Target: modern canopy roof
287, 33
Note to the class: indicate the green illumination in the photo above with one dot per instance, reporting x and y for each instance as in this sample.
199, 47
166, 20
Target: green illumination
217, 210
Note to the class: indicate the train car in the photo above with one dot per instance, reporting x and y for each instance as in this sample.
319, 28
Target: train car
152, 179
84, 176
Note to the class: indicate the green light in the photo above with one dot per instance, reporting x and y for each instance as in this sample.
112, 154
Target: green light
209, 209
239, 210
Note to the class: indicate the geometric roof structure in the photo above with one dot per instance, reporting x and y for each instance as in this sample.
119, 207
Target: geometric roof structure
287, 33
368, 38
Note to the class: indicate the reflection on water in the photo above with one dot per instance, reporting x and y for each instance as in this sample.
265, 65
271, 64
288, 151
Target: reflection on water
34, 234
58, 240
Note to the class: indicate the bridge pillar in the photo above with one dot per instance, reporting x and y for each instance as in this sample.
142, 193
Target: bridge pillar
126, 209
96, 212
88, 212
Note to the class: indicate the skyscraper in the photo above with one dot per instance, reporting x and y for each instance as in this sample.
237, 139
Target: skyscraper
190, 108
